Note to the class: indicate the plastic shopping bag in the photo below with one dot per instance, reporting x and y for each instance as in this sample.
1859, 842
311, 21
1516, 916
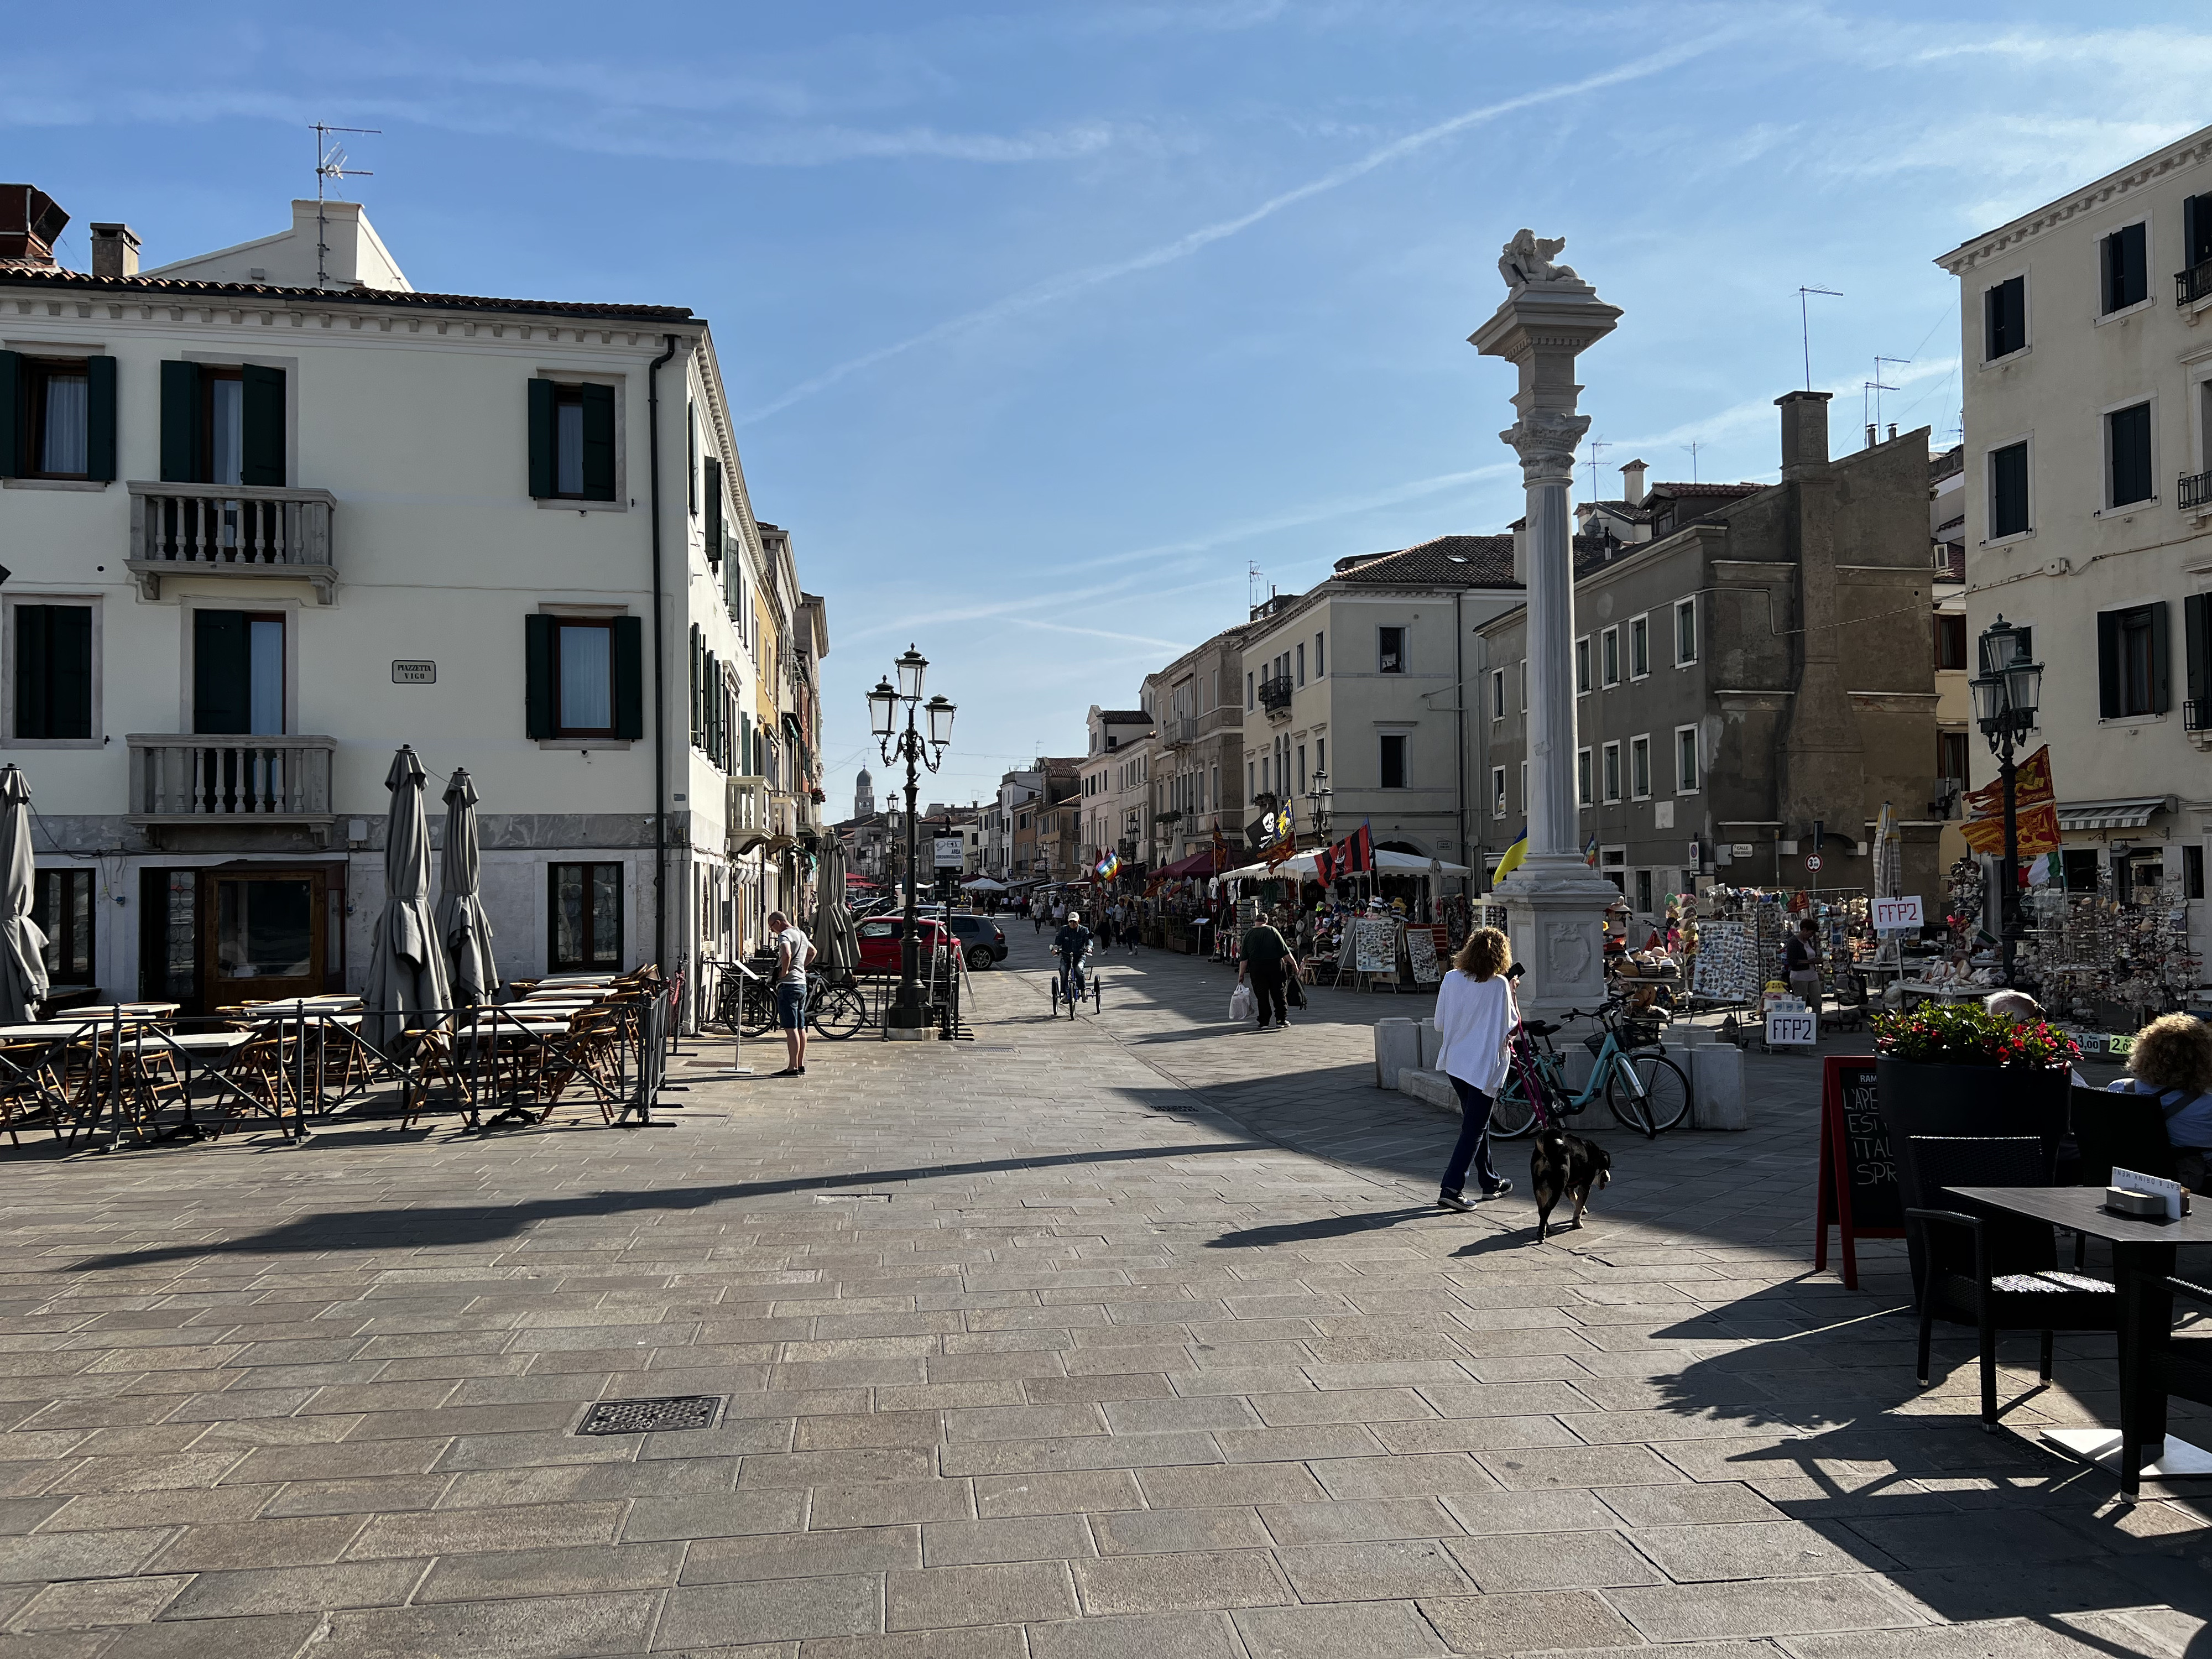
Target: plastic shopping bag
1240, 1005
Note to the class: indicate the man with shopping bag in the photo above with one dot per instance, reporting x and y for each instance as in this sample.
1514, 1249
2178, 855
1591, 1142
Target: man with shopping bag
1265, 957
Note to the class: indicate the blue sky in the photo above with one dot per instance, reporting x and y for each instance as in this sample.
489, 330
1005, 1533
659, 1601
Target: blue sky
1045, 322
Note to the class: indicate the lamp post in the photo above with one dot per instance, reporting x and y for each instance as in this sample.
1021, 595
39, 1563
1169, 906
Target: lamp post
1318, 799
917, 747
2006, 695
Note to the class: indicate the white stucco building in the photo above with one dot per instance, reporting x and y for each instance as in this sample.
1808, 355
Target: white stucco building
269, 513
2087, 500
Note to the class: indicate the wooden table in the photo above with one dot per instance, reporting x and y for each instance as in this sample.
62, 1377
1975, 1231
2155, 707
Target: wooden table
2142, 1252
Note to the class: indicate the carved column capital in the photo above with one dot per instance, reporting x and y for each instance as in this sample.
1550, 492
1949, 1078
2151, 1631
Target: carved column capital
1546, 442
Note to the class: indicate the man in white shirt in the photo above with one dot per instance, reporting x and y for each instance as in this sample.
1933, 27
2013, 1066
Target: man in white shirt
792, 952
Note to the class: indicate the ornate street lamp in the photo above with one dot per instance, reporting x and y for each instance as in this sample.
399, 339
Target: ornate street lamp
2007, 694
909, 1011
1317, 800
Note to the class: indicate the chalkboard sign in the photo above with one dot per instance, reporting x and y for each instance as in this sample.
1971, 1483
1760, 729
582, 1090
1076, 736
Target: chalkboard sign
1859, 1196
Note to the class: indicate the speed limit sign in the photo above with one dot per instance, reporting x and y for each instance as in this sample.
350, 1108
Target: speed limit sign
1813, 862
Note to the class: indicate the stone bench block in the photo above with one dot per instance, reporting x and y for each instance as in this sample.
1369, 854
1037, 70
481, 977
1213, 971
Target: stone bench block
1432, 1045
1430, 1088
1716, 1075
1397, 1048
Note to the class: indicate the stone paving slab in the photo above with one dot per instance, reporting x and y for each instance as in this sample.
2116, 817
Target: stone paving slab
1135, 1335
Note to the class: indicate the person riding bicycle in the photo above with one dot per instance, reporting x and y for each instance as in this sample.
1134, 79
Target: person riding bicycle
1071, 943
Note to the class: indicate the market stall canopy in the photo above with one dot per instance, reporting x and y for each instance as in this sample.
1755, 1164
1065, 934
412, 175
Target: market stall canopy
984, 884
1198, 864
1302, 864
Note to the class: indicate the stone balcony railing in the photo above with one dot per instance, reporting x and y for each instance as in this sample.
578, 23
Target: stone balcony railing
746, 816
248, 781
231, 529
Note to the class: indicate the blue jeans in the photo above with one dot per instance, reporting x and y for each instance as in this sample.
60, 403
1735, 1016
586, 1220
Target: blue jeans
790, 1006
1473, 1147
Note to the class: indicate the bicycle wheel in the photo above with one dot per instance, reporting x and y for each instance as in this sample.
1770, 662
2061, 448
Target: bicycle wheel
759, 1008
841, 1013
1512, 1114
1665, 1094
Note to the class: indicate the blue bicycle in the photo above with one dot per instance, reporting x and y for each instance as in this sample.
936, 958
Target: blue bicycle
1645, 1090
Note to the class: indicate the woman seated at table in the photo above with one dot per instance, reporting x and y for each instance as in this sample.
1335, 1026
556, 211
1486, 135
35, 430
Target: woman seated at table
2172, 1059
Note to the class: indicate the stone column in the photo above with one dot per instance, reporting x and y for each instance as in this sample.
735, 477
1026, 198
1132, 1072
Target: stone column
1555, 903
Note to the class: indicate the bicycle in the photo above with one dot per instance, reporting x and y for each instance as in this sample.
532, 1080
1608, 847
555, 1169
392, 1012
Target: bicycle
1644, 1090
747, 1002
1073, 996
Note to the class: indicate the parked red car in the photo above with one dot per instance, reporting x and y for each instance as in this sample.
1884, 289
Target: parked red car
879, 943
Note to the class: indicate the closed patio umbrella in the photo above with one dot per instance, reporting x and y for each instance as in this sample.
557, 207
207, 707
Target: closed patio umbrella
406, 966
23, 948
837, 946
462, 925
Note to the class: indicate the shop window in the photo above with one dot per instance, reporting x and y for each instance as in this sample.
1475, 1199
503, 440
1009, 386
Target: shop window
62, 909
586, 920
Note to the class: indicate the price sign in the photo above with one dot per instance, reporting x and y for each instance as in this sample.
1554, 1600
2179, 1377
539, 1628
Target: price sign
1812, 861
1788, 1028
1891, 914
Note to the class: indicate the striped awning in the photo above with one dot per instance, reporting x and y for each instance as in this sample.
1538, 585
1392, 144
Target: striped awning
2110, 814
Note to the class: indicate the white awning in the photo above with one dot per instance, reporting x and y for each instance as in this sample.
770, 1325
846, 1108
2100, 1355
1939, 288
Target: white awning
2110, 814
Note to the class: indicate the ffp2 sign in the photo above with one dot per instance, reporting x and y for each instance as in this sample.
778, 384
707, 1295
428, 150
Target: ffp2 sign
1895, 914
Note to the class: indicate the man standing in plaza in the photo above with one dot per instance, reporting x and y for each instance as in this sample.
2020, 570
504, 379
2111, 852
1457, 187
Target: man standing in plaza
1265, 958
792, 952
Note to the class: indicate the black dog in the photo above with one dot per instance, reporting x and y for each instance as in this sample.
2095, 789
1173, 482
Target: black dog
1568, 1164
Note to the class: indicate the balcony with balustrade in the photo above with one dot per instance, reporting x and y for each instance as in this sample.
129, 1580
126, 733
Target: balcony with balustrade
235, 783
231, 529
1275, 693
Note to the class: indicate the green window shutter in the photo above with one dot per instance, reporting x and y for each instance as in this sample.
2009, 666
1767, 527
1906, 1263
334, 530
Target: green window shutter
221, 672
2162, 658
11, 414
100, 418
541, 440
181, 423
2108, 664
261, 459
698, 692
629, 677
2196, 638
714, 511
599, 443
34, 715
538, 693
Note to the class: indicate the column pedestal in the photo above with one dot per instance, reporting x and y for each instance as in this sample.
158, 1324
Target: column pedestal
1555, 916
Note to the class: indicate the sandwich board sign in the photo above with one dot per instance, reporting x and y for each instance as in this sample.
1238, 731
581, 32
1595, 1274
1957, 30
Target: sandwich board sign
1894, 914
1791, 1024
1859, 1194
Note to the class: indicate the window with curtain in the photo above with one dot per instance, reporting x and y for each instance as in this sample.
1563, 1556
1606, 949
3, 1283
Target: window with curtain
586, 917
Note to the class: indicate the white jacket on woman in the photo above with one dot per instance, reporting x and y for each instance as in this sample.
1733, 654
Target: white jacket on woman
1474, 1018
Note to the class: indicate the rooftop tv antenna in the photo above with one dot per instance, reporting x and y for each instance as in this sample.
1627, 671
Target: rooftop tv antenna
1878, 388
1597, 448
1253, 578
1805, 324
1693, 446
332, 172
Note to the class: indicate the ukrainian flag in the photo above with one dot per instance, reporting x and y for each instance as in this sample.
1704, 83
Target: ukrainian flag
1511, 861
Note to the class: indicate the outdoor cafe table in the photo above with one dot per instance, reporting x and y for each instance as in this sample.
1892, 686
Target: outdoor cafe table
2142, 1251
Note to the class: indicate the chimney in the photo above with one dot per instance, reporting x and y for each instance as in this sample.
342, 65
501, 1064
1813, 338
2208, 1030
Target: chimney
1632, 483
114, 251
1804, 434
30, 221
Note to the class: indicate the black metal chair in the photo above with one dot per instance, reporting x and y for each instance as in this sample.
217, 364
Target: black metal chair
2123, 1130
1995, 1273
2179, 1367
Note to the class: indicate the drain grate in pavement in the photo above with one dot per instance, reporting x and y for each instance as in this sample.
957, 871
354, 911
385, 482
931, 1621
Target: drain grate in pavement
689, 1411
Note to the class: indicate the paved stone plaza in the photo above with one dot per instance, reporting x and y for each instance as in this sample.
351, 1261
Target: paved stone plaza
1127, 1336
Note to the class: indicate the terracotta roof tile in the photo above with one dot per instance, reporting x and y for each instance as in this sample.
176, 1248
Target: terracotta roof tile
262, 294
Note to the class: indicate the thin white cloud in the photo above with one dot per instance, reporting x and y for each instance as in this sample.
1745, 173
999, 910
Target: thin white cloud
1076, 281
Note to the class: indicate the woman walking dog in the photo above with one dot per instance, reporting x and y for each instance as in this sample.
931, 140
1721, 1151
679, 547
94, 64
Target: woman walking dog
1475, 1018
